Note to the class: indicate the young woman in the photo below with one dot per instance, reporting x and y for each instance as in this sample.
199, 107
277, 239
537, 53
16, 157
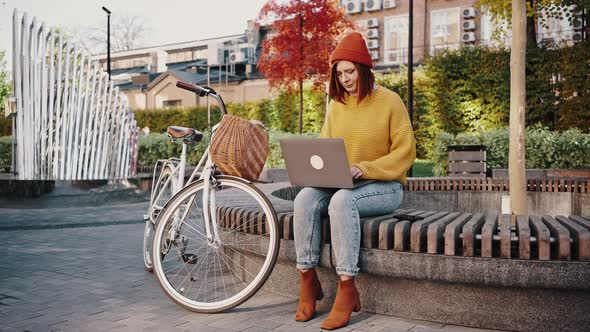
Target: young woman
379, 141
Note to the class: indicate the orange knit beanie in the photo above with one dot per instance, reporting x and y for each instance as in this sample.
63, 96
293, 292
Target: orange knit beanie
352, 48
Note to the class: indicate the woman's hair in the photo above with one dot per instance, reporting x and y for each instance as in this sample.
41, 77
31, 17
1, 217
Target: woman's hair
365, 82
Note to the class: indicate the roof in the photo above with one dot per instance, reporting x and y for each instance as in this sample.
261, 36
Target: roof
132, 70
186, 64
167, 47
131, 86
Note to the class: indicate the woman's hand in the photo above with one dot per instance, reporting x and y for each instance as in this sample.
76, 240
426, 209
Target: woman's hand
355, 172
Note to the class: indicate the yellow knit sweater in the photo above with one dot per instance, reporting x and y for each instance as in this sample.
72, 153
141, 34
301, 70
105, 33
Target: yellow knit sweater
377, 134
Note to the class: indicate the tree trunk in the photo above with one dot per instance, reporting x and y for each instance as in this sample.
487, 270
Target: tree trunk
516, 162
531, 27
300, 106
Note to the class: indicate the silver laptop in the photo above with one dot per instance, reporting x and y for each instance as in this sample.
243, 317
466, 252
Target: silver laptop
318, 162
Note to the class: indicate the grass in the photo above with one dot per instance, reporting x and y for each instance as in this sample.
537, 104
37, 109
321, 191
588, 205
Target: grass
422, 168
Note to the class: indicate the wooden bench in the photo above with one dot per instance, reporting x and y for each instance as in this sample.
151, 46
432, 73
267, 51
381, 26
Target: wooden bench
451, 233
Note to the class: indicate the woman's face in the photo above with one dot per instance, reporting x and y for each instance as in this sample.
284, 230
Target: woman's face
348, 76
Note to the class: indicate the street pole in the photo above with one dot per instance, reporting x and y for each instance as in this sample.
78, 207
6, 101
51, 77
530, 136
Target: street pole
108, 40
411, 69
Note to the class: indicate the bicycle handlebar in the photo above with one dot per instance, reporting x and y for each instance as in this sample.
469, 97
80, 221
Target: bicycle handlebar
202, 92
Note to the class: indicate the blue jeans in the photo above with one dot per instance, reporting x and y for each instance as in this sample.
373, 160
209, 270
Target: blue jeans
345, 208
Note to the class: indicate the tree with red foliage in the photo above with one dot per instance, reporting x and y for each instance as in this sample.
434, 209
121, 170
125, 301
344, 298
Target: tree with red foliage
305, 35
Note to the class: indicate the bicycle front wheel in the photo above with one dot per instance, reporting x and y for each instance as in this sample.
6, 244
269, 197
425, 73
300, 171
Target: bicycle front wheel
201, 273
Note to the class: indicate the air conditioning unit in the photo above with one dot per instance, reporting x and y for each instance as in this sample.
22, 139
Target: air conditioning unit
469, 25
577, 24
468, 12
373, 33
362, 23
374, 55
393, 56
372, 23
372, 43
468, 37
352, 6
387, 4
235, 57
372, 5
548, 42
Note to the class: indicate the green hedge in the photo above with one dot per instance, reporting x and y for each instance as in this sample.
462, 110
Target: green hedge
545, 149
279, 113
5, 126
158, 146
5, 153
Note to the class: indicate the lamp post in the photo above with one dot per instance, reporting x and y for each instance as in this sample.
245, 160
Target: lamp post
108, 40
411, 69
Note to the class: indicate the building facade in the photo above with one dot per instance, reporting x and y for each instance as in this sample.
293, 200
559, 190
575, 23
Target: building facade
438, 25
228, 64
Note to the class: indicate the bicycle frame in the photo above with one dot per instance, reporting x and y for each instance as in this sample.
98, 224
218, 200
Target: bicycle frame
207, 175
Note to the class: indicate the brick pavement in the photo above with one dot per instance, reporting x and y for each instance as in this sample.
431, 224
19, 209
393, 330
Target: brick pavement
92, 279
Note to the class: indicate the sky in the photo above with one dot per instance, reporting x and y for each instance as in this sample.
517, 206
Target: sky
168, 21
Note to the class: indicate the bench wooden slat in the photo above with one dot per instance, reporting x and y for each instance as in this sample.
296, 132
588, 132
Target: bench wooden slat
325, 233
452, 233
561, 236
524, 237
504, 223
370, 230
580, 236
288, 227
401, 231
582, 221
435, 233
470, 229
281, 220
487, 234
467, 167
542, 233
386, 234
418, 231
467, 155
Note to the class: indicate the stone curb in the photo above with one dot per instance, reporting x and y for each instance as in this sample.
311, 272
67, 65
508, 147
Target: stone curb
71, 225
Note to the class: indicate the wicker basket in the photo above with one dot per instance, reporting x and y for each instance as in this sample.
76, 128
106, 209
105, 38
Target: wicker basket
239, 147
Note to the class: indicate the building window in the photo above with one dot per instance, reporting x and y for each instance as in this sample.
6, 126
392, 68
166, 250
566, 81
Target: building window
171, 103
445, 29
555, 30
395, 41
495, 33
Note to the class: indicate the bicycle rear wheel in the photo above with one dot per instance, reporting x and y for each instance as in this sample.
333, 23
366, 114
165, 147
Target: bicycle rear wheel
206, 276
161, 193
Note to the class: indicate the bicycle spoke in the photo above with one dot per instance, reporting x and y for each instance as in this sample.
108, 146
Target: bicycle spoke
226, 270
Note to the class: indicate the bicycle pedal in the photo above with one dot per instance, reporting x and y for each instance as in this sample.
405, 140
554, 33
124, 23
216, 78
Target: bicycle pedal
146, 217
189, 258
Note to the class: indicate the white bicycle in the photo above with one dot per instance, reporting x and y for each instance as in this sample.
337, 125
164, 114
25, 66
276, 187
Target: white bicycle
212, 242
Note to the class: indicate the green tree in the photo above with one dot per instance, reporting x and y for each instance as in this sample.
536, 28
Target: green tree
5, 86
5, 91
570, 9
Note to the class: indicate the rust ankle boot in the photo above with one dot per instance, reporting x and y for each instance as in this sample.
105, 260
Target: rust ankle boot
310, 291
347, 301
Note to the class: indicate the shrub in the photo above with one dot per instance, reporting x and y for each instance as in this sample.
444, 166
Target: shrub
5, 153
545, 149
158, 146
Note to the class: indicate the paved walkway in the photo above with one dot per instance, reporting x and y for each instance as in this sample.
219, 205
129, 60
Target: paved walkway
74, 278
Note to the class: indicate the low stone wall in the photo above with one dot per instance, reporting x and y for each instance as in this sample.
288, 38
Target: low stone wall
539, 203
471, 291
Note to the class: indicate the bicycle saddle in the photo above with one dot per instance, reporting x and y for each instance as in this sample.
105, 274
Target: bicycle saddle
188, 135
